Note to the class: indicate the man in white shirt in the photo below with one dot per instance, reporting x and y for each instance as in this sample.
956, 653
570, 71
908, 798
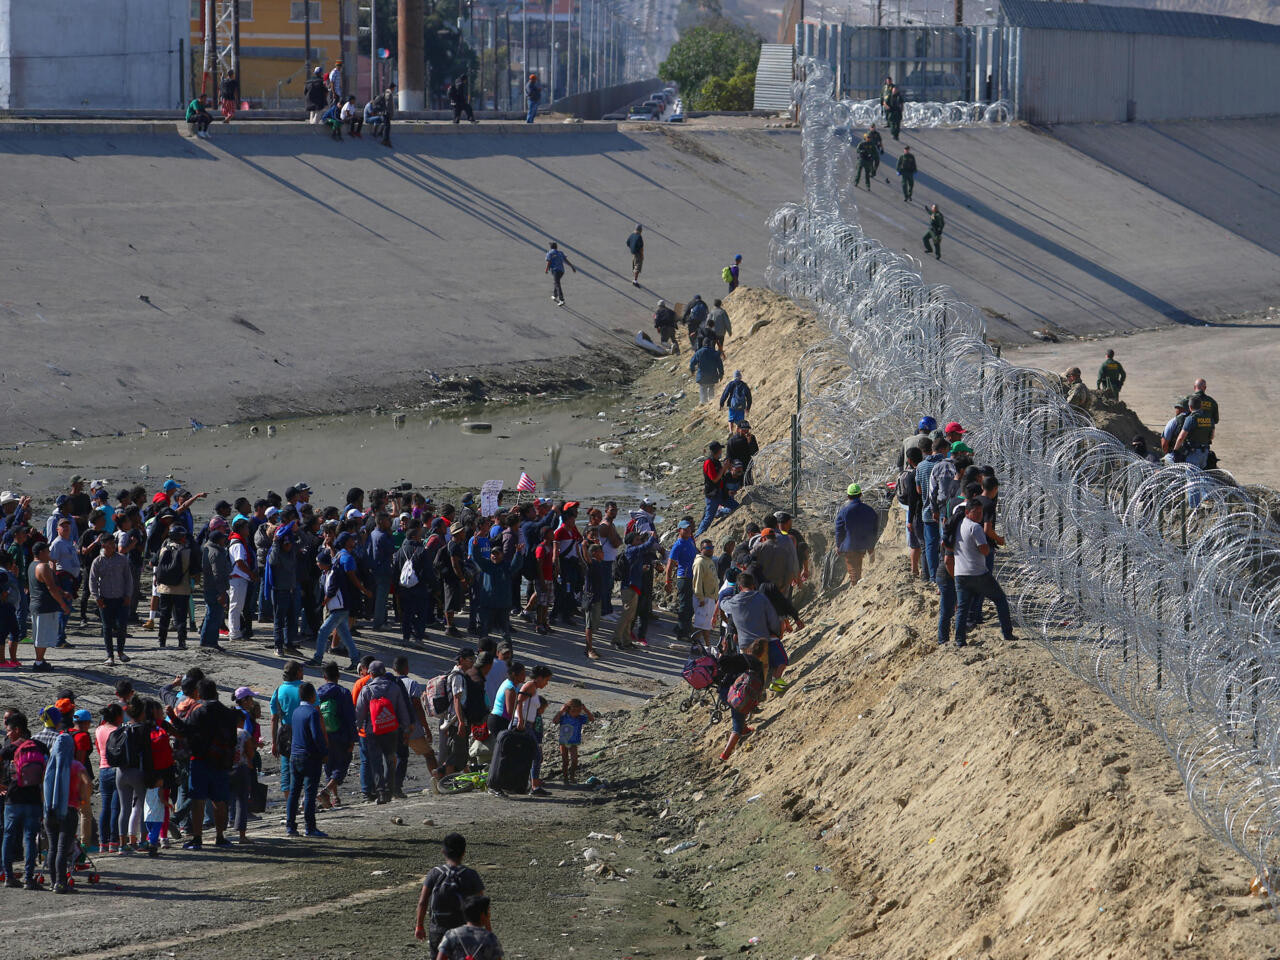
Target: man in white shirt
241, 577
969, 567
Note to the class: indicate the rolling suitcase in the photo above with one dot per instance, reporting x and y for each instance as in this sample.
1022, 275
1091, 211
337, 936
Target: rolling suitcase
513, 753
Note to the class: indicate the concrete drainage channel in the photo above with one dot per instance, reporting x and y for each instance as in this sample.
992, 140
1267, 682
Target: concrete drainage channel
557, 441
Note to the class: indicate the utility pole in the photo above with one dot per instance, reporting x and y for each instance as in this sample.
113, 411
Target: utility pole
959, 12
342, 43
412, 66
551, 51
210, 38
306, 38
524, 51
235, 44
373, 48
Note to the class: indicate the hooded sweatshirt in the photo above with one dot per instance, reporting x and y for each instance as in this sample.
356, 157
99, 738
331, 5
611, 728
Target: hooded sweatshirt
383, 686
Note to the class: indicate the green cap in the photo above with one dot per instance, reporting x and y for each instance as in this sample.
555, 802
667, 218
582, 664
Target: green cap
855, 490
961, 448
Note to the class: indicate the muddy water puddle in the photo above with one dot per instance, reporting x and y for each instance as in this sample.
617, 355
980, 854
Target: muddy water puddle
555, 440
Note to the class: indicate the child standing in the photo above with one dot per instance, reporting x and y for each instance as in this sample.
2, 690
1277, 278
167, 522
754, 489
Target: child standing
598, 587
572, 717
546, 559
706, 587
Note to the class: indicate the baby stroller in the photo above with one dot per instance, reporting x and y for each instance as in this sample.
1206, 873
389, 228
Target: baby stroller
700, 673
83, 862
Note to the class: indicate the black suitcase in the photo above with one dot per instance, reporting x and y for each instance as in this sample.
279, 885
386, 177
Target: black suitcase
513, 753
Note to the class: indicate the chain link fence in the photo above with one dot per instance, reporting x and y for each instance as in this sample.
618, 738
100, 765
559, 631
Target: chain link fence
1158, 584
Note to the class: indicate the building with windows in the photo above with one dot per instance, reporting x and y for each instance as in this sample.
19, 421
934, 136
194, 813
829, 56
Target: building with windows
273, 48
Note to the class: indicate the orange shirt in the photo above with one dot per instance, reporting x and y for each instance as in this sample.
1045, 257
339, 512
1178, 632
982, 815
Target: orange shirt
355, 694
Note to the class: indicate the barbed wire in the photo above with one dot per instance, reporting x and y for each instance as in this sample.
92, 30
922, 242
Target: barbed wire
1159, 585
919, 115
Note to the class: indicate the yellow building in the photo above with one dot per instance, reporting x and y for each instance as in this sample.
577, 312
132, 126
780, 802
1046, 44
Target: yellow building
272, 61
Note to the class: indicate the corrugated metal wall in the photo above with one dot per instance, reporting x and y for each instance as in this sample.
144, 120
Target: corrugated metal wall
1078, 76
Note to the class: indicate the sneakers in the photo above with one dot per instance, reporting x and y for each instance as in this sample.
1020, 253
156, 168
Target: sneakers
30, 885
222, 842
122, 657
64, 644
539, 792
149, 625
292, 832
193, 845
318, 834
42, 666
495, 792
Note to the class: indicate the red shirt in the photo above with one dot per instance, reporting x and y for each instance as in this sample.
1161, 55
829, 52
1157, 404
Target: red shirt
546, 563
84, 742
161, 749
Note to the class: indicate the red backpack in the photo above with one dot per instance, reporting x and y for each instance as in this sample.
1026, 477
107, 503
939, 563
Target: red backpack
745, 692
382, 715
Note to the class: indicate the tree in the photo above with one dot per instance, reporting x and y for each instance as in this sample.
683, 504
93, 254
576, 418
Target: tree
719, 50
736, 93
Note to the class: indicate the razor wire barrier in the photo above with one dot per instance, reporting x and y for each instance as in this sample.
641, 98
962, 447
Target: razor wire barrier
1158, 584
915, 115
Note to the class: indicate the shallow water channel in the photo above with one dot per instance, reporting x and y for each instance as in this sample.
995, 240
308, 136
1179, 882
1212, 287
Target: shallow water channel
429, 450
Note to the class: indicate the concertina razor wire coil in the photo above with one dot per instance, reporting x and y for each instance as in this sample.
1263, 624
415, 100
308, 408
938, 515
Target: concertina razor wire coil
1158, 584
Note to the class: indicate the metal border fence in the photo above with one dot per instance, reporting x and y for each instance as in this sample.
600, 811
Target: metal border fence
1159, 585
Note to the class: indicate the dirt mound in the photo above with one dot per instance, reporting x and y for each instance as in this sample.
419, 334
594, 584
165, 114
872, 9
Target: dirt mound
903, 800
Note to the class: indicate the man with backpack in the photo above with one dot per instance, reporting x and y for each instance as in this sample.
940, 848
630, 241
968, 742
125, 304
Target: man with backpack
211, 731
338, 712
732, 274
695, 315
413, 573
307, 754
476, 939
173, 583
454, 707
382, 712
444, 892
664, 321
24, 761
905, 489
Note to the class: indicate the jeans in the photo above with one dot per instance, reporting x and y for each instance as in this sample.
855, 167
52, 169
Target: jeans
402, 766
238, 811
173, 606
265, 600
337, 620
533, 111
21, 825
946, 606
381, 588
115, 623
213, 619
305, 782
969, 589
238, 616
413, 613
285, 623
108, 818
556, 276
932, 544
366, 769
382, 760
62, 832
68, 584
130, 792
684, 594
1198, 456
714, 504
493, 618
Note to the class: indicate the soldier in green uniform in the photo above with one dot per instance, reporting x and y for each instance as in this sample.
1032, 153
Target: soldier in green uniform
885, 91
878, 142
1111, 376
893, 110
1209, 404
907, 171
867, 159
933, 239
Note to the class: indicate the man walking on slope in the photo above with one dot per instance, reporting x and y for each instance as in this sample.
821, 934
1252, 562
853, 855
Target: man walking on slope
857, 526
936, 223
635, 243
556, 262
907, 171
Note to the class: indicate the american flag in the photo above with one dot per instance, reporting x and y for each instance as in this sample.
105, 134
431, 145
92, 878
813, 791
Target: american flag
526, 484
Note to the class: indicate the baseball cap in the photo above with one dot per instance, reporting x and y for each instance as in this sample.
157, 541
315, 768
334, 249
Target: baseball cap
484, 659
954, 427
177, 532
961, 448
854, 490
344, 538
77, 479
1180, 402
51, 717
8, 496
647, 502
715, 445
82, 716
767, 531
570, 504
273, 511
353, 512
302, 486
737, 257
62, 500
324, 558
684, 525
66, 706
104, 538
927, 423
242, 692
466, 652
743, 425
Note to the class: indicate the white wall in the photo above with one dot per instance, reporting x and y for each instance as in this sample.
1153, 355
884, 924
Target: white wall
91, 54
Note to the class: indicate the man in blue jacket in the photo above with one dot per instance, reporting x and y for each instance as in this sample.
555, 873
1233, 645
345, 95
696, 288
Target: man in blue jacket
857, 527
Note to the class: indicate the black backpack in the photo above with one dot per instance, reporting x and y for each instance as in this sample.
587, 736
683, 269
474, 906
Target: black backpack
447, 899
441, 562
127, 746
169, 567
906, 487
621, 567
